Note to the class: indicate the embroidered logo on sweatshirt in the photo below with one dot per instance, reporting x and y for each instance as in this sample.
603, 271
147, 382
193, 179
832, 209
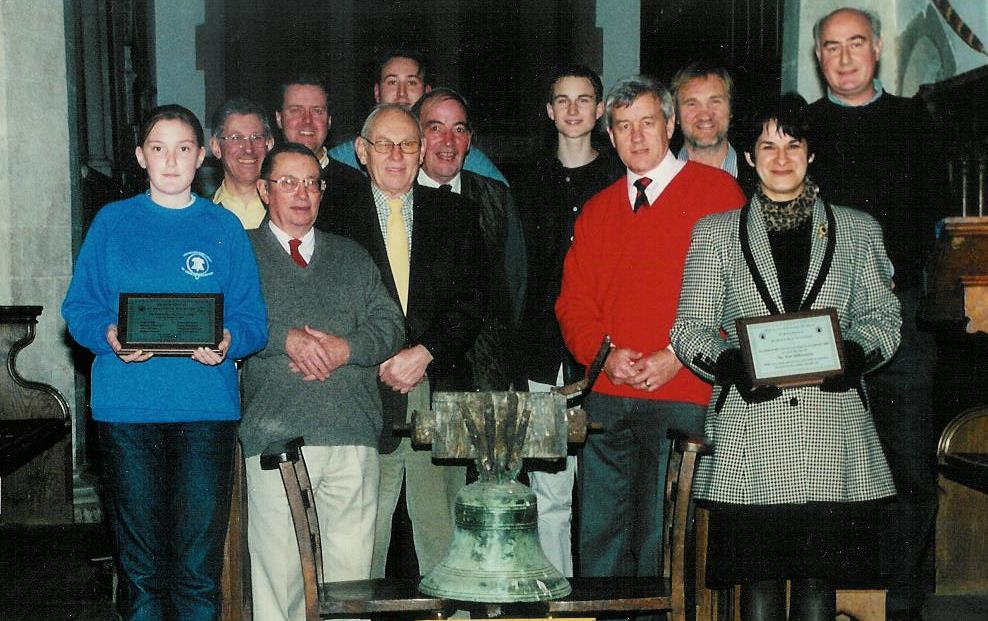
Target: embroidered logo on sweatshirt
198, 264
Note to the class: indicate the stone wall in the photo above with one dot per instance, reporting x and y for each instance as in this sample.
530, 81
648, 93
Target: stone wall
35, 213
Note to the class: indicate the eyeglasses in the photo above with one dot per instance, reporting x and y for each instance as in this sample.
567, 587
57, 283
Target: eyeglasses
289, 185
237, 139
385, 146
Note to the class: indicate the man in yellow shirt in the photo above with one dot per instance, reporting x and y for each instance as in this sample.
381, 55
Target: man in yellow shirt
241, 138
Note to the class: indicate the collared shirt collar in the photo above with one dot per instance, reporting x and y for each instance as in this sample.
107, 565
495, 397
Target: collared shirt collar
875, 83
251, 212
661, 176
323, 156
306, 248
407, 211
729, 165
455, 183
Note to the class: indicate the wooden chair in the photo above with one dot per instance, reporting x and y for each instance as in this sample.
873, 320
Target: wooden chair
590, 596
235, 579
962, 566
287, 457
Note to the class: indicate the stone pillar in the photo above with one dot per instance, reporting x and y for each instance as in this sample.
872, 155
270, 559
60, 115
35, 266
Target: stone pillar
35, 197
178, 71
620, 21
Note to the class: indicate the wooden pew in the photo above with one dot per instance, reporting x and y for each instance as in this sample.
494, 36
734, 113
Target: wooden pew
35, 450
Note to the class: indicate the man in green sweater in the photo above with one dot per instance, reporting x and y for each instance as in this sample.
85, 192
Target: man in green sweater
332, 322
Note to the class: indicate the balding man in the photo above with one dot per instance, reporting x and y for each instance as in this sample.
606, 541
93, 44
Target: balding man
445, 118
873, 153
428, 247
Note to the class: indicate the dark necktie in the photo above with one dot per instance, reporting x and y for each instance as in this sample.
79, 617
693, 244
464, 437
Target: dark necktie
641, 200
293, 245
445, 188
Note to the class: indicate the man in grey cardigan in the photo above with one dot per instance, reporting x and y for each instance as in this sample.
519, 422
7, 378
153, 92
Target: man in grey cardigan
332, 322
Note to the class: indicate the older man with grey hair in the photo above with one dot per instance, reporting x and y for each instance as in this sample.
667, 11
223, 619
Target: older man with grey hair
427, 244
621, 278
445, 118
241, 138
331, 323
877, 152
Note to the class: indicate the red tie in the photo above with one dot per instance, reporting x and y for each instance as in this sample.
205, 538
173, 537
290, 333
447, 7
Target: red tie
641, 200
293, 245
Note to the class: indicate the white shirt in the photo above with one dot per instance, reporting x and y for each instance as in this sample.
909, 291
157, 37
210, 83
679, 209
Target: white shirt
661, 176
429, 182
305, 249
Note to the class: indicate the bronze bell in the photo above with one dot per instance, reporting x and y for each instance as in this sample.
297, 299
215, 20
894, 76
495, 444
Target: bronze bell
495, 555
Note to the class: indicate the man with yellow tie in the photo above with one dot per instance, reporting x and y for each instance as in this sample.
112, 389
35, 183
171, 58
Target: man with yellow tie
427, 245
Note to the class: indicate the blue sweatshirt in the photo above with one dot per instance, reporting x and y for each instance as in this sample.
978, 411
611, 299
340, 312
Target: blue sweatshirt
138, 246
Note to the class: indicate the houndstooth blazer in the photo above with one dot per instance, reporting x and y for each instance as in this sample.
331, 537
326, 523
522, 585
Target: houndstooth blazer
806, 445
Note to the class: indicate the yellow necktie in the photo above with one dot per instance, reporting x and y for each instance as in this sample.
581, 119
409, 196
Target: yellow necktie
397, 239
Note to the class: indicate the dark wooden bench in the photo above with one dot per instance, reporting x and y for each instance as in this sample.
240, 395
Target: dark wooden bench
23, 440
35, 459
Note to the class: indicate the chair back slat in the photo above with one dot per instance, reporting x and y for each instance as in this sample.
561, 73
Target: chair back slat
309, 500
683, 455
287, 457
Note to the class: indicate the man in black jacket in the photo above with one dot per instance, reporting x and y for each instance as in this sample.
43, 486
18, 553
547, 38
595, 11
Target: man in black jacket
445, 118
303, 116
427, 245
872, 152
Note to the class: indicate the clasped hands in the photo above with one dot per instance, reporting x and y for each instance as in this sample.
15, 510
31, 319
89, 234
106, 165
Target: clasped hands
200, 354
648, 373
403, 371
315, 354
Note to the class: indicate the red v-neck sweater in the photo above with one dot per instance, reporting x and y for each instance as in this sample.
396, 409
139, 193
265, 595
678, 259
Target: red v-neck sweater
623, 272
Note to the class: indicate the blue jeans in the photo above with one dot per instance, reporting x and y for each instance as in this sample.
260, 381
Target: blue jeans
168, 486
621, 480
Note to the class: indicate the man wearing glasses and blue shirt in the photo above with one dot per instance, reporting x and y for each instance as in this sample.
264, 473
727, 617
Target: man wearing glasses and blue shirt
427, 245
241, 138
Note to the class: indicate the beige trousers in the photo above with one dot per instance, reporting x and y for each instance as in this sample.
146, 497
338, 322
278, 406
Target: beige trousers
344, 482
430, 495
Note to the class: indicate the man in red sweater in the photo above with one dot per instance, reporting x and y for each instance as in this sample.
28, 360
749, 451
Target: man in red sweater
621, 278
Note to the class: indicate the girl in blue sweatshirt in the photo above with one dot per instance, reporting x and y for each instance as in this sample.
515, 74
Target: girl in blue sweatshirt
167, 425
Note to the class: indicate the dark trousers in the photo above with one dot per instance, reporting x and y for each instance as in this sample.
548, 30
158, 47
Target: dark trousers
168, 486
901, 396
622, 471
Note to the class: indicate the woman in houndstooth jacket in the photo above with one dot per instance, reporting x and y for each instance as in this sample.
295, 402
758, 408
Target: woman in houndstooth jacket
798, 474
